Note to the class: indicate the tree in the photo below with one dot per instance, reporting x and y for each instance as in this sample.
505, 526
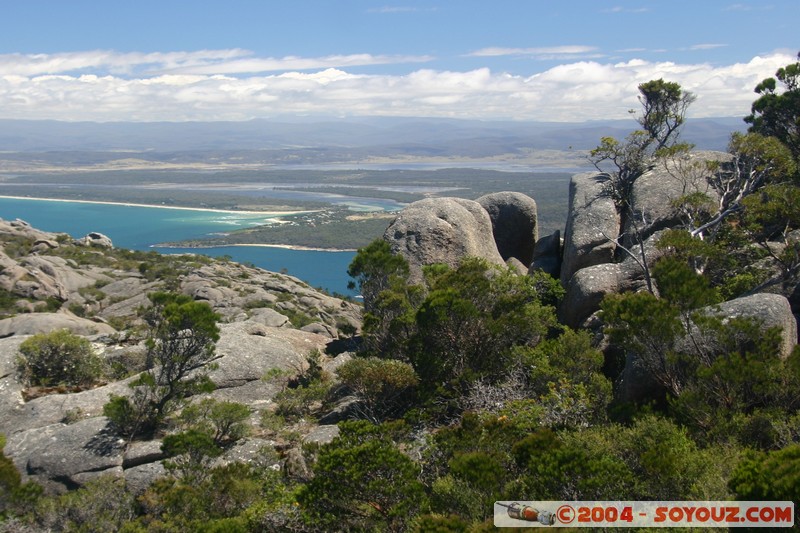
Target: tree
768, 476
648, 327
180, 347
373, 270
224, 421
471, 319
756, 161
190, 454
777, 114
389, 298
664, 106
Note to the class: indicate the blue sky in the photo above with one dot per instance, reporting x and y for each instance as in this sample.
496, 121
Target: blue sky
177, 60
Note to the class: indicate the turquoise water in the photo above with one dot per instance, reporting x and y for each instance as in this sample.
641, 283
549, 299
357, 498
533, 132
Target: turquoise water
139, 228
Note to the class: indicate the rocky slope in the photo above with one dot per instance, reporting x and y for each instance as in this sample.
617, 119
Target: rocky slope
269, 321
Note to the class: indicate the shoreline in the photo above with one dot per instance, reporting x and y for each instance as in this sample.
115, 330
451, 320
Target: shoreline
268, 214
261, 245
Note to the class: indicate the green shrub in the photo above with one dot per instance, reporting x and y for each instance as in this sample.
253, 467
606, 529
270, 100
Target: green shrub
190, 453
384, 386
59, 357
225, 421
9, 478
362, 482
122, 413
303, 393
103, 504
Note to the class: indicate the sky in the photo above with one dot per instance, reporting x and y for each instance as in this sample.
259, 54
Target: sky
535, 60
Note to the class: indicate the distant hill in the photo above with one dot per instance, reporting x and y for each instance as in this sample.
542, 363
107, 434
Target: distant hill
359, 137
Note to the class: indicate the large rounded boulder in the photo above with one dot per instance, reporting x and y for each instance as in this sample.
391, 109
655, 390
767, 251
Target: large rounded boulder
514, 224
442, 230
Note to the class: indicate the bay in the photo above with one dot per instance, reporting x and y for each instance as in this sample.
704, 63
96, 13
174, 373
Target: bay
139, 228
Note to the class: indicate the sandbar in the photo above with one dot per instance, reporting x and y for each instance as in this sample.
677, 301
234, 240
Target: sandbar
155, 206
259, 245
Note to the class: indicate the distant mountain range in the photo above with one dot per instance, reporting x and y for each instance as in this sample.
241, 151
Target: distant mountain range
362, 137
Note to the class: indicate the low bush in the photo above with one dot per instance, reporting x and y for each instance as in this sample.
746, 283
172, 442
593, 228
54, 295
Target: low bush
383, 386
59, 358
224, 421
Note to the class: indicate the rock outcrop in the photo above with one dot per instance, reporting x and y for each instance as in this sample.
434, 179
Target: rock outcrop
592, 224
514, 224
588, 286
33, 323
772, 310
96, 239
442, 230
597, 234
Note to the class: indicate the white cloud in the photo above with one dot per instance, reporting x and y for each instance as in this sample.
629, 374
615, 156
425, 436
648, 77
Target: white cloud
205, 62
708, 46
545, 52
749, 7
113, 62
99, 87
620, 9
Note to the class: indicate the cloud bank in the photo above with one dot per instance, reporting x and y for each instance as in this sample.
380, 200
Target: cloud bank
212, 85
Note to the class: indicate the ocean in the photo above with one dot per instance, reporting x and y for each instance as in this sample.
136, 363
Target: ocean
139, 228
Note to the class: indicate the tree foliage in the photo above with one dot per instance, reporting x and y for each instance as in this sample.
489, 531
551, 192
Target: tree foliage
362, 481
664, 106
384, 387
757, 161
224, 421
777, 113
470, 321
180, 346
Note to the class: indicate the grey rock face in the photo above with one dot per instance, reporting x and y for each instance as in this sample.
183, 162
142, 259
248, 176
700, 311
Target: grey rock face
516, 264
62, 440
514, 224
60, 454
586, 290
656, 191
442, 230
246, 357
30, 324
772, 309
139, 478
588, 286
547, 255
322, 434
269, 317
592, 223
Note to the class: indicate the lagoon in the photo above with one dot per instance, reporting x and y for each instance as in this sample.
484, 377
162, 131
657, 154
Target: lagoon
141, 227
